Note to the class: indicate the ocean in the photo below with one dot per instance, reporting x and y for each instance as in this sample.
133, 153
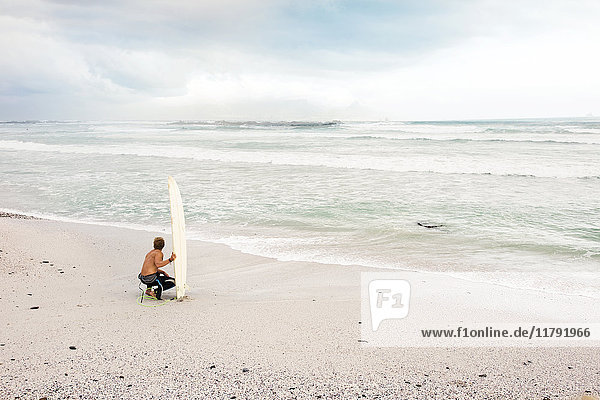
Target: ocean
514, 202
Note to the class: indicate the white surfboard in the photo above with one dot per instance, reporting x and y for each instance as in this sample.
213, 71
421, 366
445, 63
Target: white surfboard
179, 244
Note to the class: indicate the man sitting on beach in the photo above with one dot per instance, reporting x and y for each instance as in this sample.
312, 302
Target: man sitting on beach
151, 272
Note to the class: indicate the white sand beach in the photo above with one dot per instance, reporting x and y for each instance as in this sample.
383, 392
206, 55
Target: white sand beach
252, 328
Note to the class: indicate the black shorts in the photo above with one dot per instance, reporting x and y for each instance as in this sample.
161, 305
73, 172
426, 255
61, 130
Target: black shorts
160, 280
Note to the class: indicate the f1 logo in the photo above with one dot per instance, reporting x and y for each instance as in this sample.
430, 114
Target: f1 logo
389, 299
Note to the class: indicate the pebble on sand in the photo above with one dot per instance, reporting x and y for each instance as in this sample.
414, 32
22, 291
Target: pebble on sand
245, 370
34, 307
72, 347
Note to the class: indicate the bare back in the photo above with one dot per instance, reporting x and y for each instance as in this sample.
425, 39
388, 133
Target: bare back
149, 266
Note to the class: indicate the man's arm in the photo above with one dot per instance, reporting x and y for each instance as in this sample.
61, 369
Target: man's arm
158, 261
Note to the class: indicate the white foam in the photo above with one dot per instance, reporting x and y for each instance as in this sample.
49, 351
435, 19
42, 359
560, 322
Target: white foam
408, 162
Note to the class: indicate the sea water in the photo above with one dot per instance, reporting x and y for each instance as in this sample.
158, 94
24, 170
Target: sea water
517, 202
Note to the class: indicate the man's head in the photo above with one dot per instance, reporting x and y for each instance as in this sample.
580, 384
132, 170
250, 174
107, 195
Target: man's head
159, 243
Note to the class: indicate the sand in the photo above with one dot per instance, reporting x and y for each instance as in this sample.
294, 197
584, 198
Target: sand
253, 328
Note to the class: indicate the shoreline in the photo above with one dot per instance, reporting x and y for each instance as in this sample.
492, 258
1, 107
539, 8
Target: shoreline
253, 328
15, 214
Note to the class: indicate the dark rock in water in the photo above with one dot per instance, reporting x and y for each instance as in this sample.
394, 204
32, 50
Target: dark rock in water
72, 348
430, 225
34, 307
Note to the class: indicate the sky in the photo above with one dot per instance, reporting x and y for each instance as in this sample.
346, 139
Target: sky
298, 60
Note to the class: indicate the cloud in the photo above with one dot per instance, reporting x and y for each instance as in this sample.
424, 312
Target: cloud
285, 59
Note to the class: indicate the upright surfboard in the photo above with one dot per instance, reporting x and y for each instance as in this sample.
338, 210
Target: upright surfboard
179, 244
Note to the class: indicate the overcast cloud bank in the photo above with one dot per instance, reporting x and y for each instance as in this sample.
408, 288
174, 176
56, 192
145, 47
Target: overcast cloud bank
275, 59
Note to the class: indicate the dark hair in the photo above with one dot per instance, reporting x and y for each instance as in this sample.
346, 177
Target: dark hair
159, 243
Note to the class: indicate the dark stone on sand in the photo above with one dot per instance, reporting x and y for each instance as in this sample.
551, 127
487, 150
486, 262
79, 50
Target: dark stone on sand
570, 367
482, 375
15, 216
34, 307
45, 261
362, 341
72, 347
121, 377
29, 294
212, 367
245, 370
